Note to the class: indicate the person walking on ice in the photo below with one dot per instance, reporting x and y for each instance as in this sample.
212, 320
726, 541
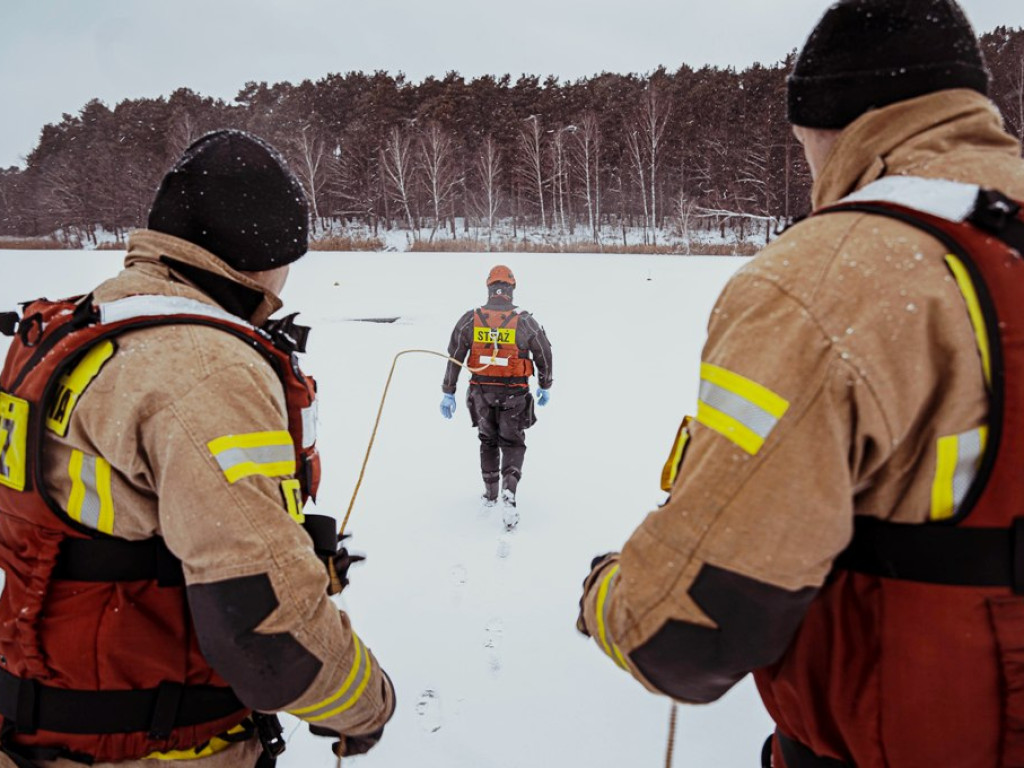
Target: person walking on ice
505, 346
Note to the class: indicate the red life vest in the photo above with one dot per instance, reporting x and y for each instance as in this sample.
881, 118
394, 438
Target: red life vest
496, 350
912, 654
98, 656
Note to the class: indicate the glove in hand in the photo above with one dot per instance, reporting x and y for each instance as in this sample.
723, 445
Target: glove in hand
543, 395
596, 564
448, 406
338, 565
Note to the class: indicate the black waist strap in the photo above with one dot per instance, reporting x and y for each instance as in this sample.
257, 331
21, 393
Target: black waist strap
118, 560
938, 554
797, 755
32, 706
508, 381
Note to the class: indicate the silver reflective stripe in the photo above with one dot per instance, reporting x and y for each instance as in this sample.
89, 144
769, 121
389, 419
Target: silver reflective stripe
150, 306
949, 200
309, 419
969, 450
264, 454
753, 417
90, 511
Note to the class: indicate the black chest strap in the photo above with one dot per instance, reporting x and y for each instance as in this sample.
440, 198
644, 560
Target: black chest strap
937, 554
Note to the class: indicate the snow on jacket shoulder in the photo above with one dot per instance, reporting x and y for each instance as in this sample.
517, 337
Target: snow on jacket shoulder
834, 362
256, 590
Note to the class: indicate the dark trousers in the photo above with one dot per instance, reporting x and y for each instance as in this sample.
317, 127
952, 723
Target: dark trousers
501, 415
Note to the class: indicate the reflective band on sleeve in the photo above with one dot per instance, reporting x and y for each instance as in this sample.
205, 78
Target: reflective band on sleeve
737, 408
957, 461
73, 384
346, 694
675, 459
949, 200
151, 306
966, 285
270, 454
309, 419
90, 502
601, 609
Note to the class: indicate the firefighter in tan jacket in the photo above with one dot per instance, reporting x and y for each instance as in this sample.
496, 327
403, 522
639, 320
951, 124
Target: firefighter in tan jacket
843, 382
184, 434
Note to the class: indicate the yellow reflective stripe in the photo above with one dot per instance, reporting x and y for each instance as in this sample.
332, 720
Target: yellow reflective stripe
73, 384
270, 454
361, 658
942, 485
250, 440
105, 524
351, 702
602, 629
671, 469
957, 460
729, 428
746, 388
966, 285
215, 745
14, 414
77, 496
292, 491
91, 501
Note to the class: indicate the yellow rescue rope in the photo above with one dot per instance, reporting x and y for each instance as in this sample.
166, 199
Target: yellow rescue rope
380, 410
376, 424
671, 735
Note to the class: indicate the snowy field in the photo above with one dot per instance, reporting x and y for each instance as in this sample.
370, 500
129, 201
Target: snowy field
476, 626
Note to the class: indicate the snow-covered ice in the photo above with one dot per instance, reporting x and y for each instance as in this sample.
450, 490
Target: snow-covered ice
476, 625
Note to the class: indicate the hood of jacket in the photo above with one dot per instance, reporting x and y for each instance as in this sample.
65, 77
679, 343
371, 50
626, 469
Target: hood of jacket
156, 256
954, 134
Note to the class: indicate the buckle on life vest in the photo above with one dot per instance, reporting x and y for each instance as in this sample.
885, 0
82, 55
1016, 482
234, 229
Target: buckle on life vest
270, 732
997, 214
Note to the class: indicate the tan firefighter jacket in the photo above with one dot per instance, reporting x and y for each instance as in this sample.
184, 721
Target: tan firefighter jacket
835, 361
151, 413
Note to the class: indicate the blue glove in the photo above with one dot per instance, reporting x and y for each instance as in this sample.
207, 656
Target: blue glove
448, 406
543, 395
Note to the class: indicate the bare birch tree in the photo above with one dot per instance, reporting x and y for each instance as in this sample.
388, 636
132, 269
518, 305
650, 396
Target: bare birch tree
399, 171
531, 165
488, 166
587, 151
655, 109
311, 165
439, 177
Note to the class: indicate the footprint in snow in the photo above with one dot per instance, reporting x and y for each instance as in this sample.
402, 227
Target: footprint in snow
459, 574
493, 632
428, 709
504, 546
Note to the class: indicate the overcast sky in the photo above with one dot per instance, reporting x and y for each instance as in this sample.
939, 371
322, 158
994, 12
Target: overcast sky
55, 55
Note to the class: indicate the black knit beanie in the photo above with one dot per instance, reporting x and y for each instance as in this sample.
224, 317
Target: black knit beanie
865, 54
232, 194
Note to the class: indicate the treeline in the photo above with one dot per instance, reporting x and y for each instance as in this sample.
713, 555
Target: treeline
675, 151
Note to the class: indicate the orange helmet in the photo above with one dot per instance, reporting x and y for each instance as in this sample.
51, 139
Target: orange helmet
501, 274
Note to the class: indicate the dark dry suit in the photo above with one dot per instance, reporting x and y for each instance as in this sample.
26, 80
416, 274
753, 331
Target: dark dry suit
508, 342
